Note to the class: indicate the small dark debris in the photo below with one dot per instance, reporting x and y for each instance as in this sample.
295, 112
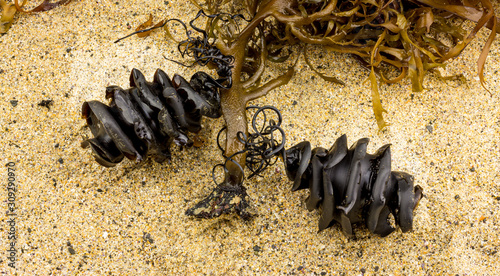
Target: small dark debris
14, 103
56, 145
1, 71
323, 273
300, 268
472, 169
60, 160
457, 197
147, 48
497, 197
68, 50
29, 230
429, 128
294, 103
363, 270
100, 190
257, 248
46, 103
143, 183
376, 268
71, 249
147, 238
360, 253
15, 145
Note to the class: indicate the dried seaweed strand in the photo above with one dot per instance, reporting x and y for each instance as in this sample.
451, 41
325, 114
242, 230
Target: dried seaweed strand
10, 10
46, 5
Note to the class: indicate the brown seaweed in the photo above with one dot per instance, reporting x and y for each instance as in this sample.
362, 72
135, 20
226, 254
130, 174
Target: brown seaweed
8, 13
9, 10
46, 5
147, 25
411, 37
393, 39
262, 148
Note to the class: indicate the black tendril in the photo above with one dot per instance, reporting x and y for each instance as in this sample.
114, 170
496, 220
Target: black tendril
263, 146
200, 48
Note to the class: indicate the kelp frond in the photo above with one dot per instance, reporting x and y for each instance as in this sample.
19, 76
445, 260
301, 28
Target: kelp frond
412, 37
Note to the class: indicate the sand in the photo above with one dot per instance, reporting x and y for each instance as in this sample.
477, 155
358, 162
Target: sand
75, 217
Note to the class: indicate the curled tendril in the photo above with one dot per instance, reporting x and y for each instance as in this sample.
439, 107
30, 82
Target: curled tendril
202, 48
262, 147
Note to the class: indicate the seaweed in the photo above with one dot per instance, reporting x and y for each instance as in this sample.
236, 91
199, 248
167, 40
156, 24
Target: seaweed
411, 37
10, 9
8, 13
146, 25
46, 5
262, 149
384, 35
393, 39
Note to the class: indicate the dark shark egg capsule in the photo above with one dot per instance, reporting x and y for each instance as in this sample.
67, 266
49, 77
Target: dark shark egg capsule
350, 186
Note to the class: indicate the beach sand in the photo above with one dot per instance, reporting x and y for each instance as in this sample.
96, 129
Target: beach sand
74, 216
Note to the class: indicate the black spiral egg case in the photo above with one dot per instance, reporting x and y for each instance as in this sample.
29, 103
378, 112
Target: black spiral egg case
145, 119
350, 186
